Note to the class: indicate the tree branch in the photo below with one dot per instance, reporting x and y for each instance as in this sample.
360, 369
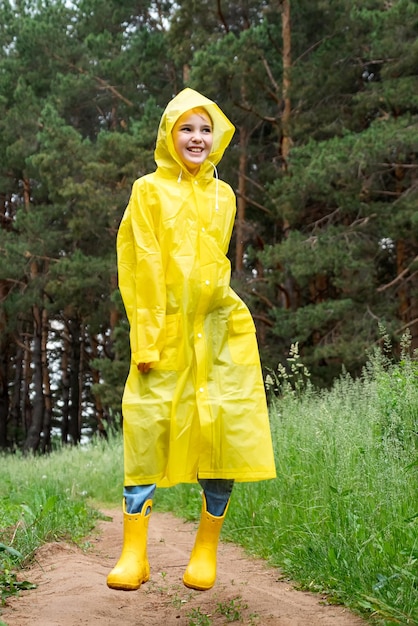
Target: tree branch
270, 74
246, 107
403, 165
255, 183
398, 278
103, 83
264, 319
263, 298
254, 203
315, 45
405, 326
221, 16
326, 219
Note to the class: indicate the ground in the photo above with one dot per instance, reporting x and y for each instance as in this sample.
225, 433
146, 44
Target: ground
71, 587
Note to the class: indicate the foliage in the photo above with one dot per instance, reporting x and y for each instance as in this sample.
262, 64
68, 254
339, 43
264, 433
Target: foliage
326, 240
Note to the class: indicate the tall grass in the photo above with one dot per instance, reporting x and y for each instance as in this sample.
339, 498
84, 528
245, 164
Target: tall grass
54, 497
341, 517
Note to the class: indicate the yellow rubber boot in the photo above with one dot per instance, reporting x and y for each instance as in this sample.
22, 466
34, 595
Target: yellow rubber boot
132, 569
201, 571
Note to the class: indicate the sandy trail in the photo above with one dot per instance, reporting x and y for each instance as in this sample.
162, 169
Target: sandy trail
72, 587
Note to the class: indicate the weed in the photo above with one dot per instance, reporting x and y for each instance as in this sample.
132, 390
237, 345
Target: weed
293, 379
178, 602
10, 586
197, 618
231, 610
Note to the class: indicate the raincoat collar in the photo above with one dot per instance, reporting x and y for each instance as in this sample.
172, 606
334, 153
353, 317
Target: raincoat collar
166, 157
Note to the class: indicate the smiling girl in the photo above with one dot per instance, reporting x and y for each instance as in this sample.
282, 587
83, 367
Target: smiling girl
194, 407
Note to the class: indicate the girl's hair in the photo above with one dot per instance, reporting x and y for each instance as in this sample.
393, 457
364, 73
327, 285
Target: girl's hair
200, 110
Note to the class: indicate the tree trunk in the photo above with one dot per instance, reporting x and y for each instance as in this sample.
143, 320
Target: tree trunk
34, 434
46, 425
4, 395
65, 387
74, 379
287, 64
15, 412
4, 382
33, 437
96, 381
288, 287
186, 73
25, 398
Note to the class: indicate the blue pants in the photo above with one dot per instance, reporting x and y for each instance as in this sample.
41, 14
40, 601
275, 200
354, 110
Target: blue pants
217, 492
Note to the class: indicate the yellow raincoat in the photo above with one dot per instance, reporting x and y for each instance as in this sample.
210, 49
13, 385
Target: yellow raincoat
201, 409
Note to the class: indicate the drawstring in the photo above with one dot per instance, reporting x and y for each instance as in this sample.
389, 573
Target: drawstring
217, 185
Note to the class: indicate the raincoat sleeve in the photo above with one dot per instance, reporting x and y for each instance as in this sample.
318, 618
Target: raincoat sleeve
141, 278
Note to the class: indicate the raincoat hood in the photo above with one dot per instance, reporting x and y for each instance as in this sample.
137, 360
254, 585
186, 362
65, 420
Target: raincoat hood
165, 154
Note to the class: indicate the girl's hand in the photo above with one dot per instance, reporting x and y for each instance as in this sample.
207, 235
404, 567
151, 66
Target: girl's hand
144, 368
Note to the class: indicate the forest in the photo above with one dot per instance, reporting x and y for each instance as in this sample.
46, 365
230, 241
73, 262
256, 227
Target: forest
324, 162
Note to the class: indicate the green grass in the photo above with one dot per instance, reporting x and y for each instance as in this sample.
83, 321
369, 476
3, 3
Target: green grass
54, 497
341, 517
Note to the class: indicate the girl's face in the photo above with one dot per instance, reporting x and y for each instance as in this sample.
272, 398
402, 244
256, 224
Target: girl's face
193, 139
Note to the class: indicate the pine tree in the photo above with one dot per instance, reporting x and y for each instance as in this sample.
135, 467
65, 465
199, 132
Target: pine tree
78, 96
350, 196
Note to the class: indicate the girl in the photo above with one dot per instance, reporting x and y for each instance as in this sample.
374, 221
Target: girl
194, 406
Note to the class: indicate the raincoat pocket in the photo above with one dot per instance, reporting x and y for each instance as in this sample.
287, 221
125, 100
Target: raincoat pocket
170, 354
242, 341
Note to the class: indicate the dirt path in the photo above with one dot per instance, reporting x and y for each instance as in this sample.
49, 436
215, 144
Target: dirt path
72, 587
